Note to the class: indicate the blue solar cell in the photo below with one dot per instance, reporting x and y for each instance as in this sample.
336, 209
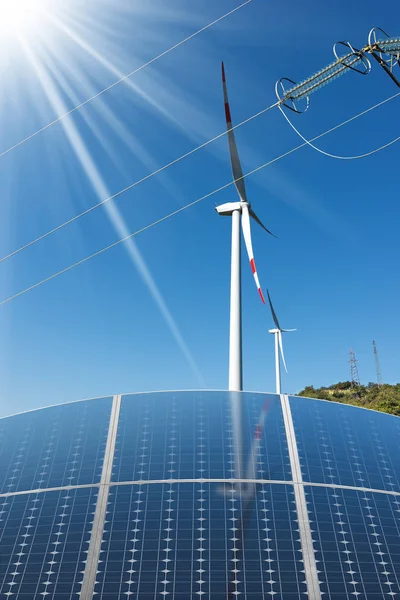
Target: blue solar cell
357, 541
347, 445
61, 445
189, 435
44, 538
191, 539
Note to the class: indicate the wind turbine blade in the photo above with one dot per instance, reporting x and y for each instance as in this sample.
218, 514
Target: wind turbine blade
281, 349
257, 220
249, 247
287, 330
234, 154
275, 318
251, 472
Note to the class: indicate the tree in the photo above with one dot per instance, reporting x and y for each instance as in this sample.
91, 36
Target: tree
385, 398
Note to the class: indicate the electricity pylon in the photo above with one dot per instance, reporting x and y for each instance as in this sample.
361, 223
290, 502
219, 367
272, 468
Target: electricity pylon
354, 378
377, 365
384, 49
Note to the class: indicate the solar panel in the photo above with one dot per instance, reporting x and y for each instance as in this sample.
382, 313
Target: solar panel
347, 445
184, 540
197, 428
357, 543
44, 538
189, 494
61, 445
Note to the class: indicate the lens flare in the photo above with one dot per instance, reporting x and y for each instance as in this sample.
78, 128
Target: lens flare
21, 16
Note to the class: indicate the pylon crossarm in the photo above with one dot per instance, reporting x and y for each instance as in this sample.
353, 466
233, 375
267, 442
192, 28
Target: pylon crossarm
385, 50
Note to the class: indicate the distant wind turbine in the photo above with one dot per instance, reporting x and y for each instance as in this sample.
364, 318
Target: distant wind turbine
278, 346
235, 210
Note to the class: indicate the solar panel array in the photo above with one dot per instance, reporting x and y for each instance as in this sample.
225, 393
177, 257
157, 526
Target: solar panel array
44, 543
163, 495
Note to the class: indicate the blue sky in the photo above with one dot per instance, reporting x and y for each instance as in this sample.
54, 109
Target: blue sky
109, 326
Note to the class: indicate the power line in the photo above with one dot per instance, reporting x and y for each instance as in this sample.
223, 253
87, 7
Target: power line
133, 185
179, 210
182, 157
356, 157
106, 89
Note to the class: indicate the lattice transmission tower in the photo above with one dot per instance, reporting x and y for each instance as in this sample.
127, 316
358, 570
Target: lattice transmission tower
377, 365
354, 378
385, 50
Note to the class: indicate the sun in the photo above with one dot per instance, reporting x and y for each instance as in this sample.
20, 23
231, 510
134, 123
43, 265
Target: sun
21, 16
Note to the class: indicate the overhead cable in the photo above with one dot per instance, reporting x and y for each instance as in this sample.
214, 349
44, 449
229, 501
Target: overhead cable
179, 210
121, 79
182, 157
355, 157
132, 185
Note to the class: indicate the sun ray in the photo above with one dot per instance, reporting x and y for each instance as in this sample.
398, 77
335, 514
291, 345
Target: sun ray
110, 119
111, 68
116, 219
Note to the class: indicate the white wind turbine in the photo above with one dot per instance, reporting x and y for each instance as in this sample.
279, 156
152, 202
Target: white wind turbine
237, 209
278, 346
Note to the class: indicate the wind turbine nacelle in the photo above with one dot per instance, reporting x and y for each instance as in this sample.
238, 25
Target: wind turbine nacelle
274, 331
227, 209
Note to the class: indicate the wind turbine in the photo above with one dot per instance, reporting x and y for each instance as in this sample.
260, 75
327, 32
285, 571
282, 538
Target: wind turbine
236, 210
278, 346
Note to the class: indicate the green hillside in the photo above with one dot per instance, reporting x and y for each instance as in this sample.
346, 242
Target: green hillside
385, 398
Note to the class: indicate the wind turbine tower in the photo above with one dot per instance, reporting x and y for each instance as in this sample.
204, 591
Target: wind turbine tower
277, 333
240, 212
377, 365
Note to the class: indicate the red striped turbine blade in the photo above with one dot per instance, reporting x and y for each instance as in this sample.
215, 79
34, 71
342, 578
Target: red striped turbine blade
249, 247
252, 462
